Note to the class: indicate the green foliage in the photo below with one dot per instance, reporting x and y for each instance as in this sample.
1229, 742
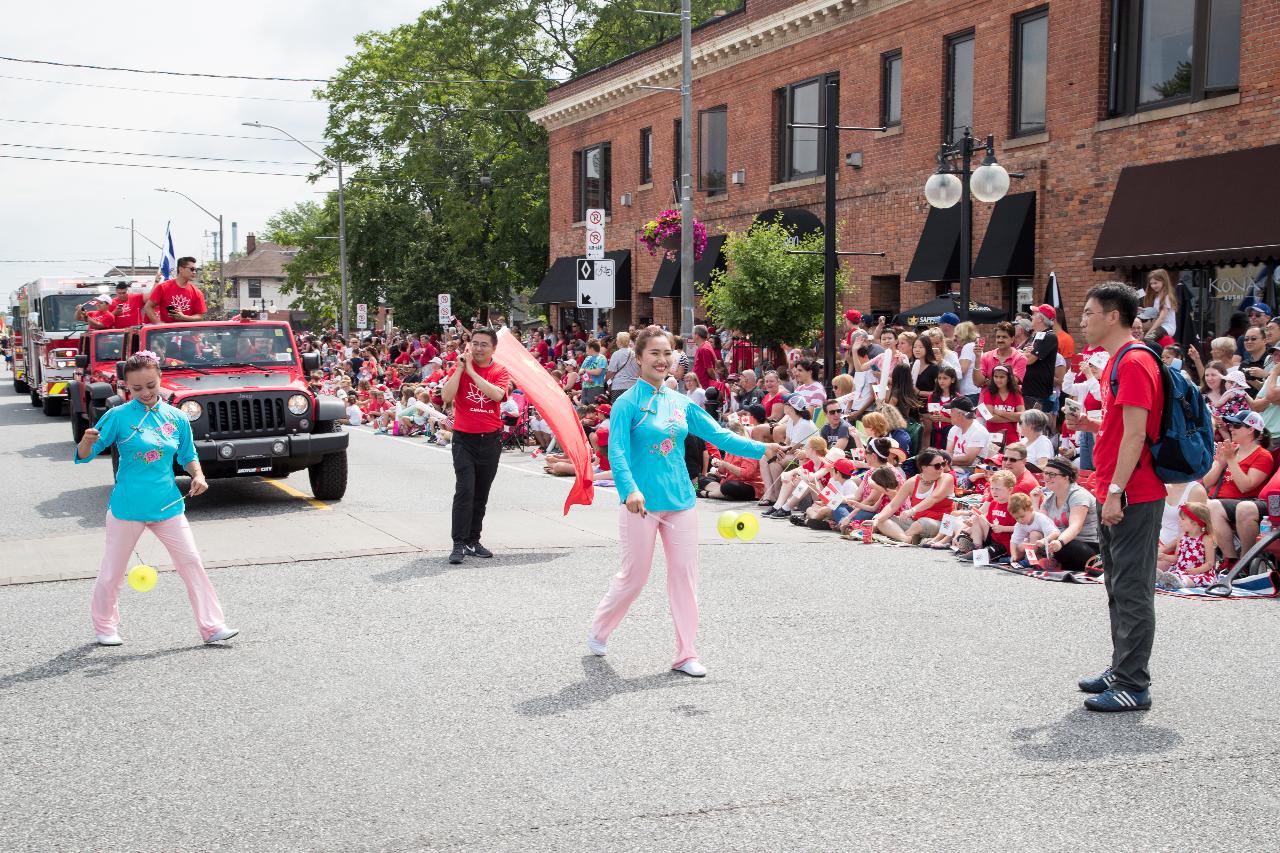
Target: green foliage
312, 274
767, 292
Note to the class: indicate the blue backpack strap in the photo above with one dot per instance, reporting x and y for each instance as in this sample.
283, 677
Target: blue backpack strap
1115, 362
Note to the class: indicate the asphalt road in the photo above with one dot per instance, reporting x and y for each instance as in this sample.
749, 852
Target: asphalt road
859, 697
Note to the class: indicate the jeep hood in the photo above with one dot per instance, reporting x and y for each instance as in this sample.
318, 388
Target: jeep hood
197, 383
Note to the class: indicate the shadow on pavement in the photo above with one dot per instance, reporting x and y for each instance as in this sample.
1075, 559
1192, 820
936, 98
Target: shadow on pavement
434, 567
89, 505
1084, 735
83, 658
601, 683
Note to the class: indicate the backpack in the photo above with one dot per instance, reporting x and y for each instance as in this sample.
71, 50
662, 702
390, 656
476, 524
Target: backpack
1184, 449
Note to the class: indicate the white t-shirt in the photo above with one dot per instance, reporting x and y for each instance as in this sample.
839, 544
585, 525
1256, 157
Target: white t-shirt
354, 416
1040, 523
969, 353
800, 430
1041, 448
698, 396
953, 361
975, 436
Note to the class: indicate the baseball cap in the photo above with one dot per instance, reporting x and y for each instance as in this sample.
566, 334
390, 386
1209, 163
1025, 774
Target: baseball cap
1252, 420
853, 316
949, 318
798, 403
964, 404
604, 409
1049, 312
757, 413
844, 466
1260, 307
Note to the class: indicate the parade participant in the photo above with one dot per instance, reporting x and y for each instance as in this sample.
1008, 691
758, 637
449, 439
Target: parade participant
177, 300
648, 426
149, 435
475, 388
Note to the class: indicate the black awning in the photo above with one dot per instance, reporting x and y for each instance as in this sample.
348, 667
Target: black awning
560, 284
1218, 209
667, 282
937, 256
801, 222
928, 313
1009, 247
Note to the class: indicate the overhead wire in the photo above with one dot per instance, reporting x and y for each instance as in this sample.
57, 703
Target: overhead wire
146, 154
162, 91
153, 166
159, 130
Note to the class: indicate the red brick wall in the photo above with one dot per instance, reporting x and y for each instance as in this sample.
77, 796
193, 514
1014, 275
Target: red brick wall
881, 207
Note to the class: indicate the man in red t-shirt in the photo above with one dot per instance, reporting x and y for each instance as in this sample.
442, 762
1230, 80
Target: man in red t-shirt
475, 388
704, 356
1131, 495
177, 300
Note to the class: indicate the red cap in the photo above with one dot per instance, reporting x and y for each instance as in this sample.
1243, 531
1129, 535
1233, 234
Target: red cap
1048, 311
844, 466
853, 316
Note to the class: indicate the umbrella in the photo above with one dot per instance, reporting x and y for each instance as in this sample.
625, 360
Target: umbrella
928, 313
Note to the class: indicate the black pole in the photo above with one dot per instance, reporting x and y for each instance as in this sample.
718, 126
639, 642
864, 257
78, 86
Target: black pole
831, 139
966, 223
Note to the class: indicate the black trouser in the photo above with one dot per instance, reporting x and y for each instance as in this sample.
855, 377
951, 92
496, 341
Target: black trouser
1129, 570
475, 463
1076, 554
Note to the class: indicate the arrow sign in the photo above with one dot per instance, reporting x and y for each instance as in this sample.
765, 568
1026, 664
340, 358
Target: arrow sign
595, 283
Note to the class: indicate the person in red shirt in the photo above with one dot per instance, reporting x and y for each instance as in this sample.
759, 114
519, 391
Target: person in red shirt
177, 300
475, 388
1241, 467
1003, 398
704, 356
1131, 495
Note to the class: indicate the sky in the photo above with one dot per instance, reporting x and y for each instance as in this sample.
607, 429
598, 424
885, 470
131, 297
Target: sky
67, 219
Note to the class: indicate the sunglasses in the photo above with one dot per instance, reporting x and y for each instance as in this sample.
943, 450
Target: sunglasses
1015, 459
937, 465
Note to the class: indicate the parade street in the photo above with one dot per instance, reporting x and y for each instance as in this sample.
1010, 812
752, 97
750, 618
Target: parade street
859, 697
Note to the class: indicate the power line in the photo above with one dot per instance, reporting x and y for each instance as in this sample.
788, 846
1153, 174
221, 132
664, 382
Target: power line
66, 261
156, 130
164, 156
151, 166
160, 91
440, 81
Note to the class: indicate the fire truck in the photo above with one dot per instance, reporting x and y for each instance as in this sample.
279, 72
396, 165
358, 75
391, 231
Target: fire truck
49, 333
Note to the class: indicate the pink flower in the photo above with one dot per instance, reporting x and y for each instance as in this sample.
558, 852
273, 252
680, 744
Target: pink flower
666, 446
152, 456
168, 429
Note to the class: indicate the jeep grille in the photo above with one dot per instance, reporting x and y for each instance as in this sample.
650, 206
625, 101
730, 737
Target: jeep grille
229, 418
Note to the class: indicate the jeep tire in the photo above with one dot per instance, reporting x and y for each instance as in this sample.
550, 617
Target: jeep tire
329, 475
52, 406
79, 423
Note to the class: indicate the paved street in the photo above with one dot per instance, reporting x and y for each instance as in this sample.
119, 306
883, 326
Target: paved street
859, 697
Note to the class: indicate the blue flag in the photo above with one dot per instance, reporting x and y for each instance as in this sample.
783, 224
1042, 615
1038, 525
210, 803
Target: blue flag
170, 260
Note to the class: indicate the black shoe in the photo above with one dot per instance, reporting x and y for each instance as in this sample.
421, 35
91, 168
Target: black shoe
459, 551
475, 549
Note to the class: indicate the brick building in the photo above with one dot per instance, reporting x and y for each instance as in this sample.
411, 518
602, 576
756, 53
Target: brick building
1079, 94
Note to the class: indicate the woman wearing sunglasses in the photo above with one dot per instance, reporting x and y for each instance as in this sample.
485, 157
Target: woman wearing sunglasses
927, 498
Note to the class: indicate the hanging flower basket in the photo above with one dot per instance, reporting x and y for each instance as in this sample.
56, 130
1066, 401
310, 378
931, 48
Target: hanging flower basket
664, 232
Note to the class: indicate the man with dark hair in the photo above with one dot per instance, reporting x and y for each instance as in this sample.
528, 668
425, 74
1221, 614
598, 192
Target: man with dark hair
177, 300
1129, 492
1042, 361
704, 356
476, 387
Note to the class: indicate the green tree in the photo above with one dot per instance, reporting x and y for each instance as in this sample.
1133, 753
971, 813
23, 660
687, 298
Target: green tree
766, 291
311, 274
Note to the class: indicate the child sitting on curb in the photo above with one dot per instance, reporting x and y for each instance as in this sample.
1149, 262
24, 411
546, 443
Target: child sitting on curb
1032, 531
1190, 563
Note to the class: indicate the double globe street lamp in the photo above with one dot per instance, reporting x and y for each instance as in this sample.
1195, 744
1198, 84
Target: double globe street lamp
949, 185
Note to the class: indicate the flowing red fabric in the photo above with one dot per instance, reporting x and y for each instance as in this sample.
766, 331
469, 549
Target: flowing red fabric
556, 409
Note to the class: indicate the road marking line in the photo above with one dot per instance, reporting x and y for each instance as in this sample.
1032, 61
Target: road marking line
523, 470
290, 490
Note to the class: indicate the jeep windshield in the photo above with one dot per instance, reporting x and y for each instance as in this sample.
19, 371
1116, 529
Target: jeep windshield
222, 346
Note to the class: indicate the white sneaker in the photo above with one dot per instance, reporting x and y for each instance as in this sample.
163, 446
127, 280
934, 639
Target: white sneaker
109, 639
691, 667
222, 636
597, 648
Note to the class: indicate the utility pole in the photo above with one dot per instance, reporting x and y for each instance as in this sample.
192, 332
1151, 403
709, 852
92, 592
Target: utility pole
686, 170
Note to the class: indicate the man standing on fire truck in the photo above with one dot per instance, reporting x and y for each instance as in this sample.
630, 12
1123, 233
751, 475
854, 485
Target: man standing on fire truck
124, 311
177, 300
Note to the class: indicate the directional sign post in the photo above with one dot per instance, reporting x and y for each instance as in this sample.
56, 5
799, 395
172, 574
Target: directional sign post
362, 316
595, 233
446, 309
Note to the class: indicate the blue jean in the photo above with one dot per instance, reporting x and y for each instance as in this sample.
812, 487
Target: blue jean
1085, 441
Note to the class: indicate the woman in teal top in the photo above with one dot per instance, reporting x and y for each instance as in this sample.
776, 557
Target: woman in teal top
149, 436
647, 428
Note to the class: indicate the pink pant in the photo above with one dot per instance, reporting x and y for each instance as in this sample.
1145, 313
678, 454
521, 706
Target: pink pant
175, 533
680, 544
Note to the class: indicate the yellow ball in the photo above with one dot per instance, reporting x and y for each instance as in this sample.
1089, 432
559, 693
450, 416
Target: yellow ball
727, 524
747, 526
142, 578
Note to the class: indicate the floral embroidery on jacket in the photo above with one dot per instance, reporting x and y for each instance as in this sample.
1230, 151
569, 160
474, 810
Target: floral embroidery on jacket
168, 428
149, 456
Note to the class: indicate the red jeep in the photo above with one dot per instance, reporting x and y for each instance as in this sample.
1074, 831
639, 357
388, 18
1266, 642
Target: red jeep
243, 386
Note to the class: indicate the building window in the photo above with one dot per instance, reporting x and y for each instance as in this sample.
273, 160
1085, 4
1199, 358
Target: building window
1030, 71
591, 169
891, 89
799, 153
1168, 51
646, 155
713, 150
958, 101
255, 288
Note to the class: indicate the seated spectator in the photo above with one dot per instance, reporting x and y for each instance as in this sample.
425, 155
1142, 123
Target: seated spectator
835, 432
898, 431
1227, 393
693, 389
791, 434
1191, 562
992, 525
936, 420
733, 478
1031, 530
968, 438
902, 395
1014, 460
807, 386
821, 515
875, 489
1074, 511
1240, 469
1006, 352
1177, 496
1032, 426
924, 365
1003, 400
796, 482
774, 396
927, 498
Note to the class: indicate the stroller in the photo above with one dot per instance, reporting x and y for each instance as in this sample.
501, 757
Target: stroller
516, 434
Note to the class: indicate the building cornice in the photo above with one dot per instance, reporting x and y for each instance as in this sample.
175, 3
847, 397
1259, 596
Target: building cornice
774, 32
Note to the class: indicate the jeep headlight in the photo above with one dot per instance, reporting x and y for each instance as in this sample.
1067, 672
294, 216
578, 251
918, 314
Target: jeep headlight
192, 409
299, 404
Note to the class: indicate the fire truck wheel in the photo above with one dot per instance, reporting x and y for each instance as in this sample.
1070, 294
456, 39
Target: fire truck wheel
79, 423
35, 398
52, 406
19, 387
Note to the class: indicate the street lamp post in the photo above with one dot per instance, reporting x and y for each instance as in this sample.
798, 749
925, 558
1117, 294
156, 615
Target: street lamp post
222, 281
342, 218
989, 183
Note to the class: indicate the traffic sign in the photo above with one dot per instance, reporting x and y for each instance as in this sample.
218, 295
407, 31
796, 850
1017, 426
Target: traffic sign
446, 309
595, 233
362, 316
595, 283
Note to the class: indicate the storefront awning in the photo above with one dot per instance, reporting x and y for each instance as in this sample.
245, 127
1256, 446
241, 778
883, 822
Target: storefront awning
1009, 247
799, 221
560, 284
1218, 209
937, 256
667, 282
